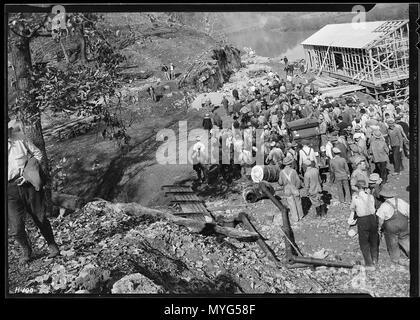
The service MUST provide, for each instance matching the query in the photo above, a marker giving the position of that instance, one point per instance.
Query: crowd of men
(357, 142)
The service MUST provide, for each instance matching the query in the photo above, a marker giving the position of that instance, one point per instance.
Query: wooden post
(323, 63)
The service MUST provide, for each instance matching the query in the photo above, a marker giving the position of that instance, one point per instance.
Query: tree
(86, 86)
(22, 28)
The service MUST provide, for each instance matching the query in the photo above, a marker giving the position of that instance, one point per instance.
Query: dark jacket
(33, 174)
(339, 169)
(207, 124)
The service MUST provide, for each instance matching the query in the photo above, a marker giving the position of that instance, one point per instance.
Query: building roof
(353, 35)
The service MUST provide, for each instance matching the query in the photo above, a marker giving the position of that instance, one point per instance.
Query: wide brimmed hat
(294, 144)
(207, 116)
(387, 192)
(390, 121)
(377, 134)
(357, 135)
(336, 150)
(288, 159)
(375, 178)
(273, 143)
(361, 184)
(197, 138)
(358, 160)
(332, 138)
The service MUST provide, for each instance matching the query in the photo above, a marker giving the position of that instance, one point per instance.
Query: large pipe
(321, 262)
(285, 218)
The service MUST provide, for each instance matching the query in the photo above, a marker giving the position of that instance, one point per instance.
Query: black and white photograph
(228, 151)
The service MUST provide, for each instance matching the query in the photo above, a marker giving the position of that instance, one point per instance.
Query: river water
(272, 43)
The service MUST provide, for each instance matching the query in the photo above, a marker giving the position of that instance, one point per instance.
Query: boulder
(136, 283)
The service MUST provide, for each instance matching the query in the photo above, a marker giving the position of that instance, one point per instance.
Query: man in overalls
(289, 178)
(393, 217)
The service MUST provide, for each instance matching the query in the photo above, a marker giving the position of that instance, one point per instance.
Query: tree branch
(18, 34)
(40, 26)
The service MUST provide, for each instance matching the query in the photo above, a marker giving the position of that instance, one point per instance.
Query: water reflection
(272, 43)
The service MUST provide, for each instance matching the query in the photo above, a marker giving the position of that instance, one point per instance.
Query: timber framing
(379, 61)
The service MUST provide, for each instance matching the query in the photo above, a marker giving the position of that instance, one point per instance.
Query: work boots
(26, 248)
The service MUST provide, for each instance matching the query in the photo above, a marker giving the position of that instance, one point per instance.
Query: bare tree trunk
(29, 112)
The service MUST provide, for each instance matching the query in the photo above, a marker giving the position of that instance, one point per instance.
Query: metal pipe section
(321, 262)
(285, 219)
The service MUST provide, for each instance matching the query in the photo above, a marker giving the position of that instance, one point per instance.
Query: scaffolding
(376, 57)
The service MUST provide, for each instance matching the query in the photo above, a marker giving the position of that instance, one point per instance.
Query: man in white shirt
(199, 158)
(22, 197)
(306, 153)
(393, 216)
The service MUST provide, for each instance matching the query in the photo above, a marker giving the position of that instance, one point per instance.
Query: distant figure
(286, 61)
(207, 123)
(235, 94)
(171, 71)
(199, 158)
(165, 70)
(225, 104)
(289, 68)
(152, 93)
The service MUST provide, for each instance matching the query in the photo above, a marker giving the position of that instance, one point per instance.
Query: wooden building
(372, 54)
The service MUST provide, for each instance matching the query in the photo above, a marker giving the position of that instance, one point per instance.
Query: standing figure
(171, 71)
(339, 176)
(393, 217)
(396, 141)
(165, 70)
(312, 187)
(289, 178)
(306, 153)
(199, 159)
(207, 123)
(362, 209)
(25, 194)
(359, 173)
(380, 154)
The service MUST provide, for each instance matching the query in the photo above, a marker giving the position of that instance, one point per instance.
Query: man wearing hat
(396, 141)
(291, 150)
(22, 196)
(363, 208)
(339, 176)
(379, 152)
(359, 173)
(323, 126)
(393, 217)
(199, 158)
(375, 187)
(330, 145)
(276, 155)
(289, 178)
(312, 187)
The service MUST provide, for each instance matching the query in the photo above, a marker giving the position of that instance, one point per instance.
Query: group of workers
(357, 142)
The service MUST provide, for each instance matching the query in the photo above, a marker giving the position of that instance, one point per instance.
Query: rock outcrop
(210, 72)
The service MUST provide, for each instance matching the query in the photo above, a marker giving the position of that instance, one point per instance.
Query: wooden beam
(377, 61)
(323, 63)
